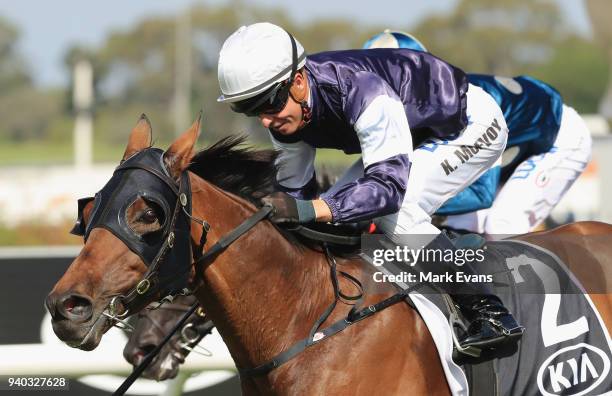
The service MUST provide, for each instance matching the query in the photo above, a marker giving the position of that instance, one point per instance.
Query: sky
(49, 27)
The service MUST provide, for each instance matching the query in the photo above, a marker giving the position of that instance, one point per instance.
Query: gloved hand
(288, 210)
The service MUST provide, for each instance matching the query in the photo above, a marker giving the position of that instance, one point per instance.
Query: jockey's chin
(285, 122)
(286, 128)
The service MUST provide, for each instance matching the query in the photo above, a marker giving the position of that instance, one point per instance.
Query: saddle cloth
(565, 350)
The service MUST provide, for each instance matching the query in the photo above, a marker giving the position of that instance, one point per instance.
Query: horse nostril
(75, 308)
(137, 357)
(141, 353)
(146, 349)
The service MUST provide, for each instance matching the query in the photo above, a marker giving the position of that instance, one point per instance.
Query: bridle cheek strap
(164, 281)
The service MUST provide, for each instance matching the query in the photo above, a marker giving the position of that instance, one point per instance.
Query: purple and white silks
(379, 103)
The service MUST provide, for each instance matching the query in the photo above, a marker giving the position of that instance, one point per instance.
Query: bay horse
(265, 290)
(151, 328)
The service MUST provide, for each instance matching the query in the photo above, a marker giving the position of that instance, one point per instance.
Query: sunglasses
(271, 101)
(274, 99)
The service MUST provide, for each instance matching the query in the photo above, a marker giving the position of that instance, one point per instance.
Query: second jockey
(383, 104)
(549, 146)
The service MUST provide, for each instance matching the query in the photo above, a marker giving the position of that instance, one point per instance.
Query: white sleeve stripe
(383, 131)
(295, 163)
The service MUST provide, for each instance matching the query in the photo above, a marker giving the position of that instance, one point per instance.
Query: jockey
(380, 104)
(549, 146)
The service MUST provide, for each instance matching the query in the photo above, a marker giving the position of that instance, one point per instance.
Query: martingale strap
(317, 335)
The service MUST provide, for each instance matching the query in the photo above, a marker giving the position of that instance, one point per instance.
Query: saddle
(519, 279)
(562, 329)
(347, 235)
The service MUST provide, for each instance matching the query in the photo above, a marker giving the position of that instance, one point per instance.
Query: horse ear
(140, 138)
(178, 157)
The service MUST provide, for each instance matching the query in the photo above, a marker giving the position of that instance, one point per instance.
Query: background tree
(13, 70)
(600, 11)
(17, 93)
(135, 67)
(513, 37)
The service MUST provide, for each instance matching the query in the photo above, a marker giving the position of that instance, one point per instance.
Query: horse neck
(263, 292)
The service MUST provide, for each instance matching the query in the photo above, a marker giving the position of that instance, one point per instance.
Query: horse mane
(251, 174)
(237, 168)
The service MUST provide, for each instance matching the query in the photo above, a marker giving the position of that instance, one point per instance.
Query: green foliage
(27, 113)
(513, 37)
(32, 234)
(496, 37)
(578, 69)
(13, 72)
(134, 68)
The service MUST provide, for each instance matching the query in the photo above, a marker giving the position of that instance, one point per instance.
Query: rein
(316, 334)
(150, 356)
(217, 248)
(236, 233)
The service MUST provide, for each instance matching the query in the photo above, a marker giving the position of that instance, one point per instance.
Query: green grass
(47, 153)
(33, 153)
(31, 234)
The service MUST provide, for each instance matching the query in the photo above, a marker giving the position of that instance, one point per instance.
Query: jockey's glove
(288, 209)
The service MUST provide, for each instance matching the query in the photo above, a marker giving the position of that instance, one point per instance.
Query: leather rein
(316, 334)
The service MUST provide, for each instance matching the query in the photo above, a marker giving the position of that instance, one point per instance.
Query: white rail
(105, 369)
(60, 360)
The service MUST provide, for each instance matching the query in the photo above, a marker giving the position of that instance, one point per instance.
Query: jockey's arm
(296, 173)
(379, 119)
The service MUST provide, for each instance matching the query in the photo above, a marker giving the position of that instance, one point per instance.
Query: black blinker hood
(167, 252)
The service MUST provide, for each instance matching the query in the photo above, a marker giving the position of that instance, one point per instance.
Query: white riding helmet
(254, 58)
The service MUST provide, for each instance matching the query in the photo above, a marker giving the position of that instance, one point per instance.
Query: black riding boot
(491, 325)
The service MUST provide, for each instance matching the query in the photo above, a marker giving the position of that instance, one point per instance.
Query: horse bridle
(147, 168)
(176, 235)
(151, 282)
(191, 333)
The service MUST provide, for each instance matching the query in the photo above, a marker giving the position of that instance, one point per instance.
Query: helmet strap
(306, 114)
(299, 95)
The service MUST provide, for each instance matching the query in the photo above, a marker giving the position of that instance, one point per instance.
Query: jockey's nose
(74, 307)
(266, 120)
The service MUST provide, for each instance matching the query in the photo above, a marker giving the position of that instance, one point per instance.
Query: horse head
(153, 325)
(137, 241)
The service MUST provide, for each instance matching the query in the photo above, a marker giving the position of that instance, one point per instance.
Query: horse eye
(148, 216)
